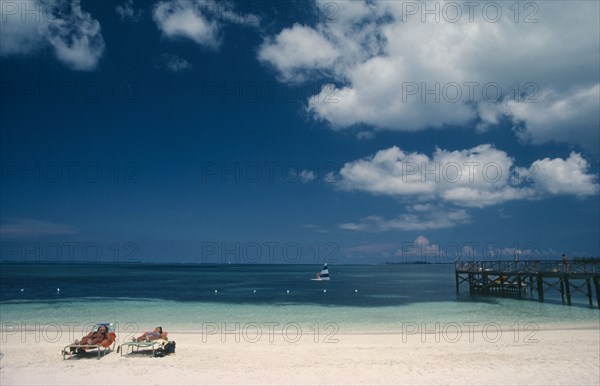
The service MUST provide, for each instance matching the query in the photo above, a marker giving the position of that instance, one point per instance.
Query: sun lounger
(136, 346)
(103, 348)
(501, 279)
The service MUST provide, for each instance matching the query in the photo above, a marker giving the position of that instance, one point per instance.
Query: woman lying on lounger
(92, 338)
(151, 335)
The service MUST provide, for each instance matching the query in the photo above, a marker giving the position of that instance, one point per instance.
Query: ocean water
(358, 297)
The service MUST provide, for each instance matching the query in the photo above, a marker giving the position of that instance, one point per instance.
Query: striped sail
(324, 273)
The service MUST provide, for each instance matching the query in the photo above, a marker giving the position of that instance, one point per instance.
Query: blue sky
(277, 132)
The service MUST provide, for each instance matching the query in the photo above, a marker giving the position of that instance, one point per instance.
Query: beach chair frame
(101, 348)
(135, 346)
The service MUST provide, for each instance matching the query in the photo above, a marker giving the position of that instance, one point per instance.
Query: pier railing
(527, 266)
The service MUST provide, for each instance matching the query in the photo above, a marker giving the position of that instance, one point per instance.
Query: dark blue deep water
(350, 285)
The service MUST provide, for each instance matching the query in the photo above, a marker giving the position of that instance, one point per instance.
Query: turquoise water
(383, 297)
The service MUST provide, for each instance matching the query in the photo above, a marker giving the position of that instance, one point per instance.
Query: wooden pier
(535, 277)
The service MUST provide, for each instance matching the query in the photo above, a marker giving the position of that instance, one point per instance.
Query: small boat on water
(323, 275)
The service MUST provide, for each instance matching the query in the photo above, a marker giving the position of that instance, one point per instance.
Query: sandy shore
(448, 354)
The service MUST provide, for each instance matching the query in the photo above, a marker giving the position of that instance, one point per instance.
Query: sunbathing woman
(151, 335)
(96, 337)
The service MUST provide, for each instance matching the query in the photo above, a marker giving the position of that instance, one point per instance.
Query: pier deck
(536, 276)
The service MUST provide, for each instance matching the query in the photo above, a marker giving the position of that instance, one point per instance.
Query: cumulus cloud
(76, 39)
(563, 176)
(476, 177)
(421, 240)
(199, 20)
(396, 68)
(72, 33)
(420, 249)
(440, 187)
(127, 13)
(297, 48)
(184, 19)
(173, 63)
(20, 37)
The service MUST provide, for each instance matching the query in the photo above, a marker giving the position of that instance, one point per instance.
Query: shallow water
(378, 297)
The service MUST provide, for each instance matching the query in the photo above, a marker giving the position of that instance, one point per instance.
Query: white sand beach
(554, 355)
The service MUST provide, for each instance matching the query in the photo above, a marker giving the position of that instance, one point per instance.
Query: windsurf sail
(324, 273)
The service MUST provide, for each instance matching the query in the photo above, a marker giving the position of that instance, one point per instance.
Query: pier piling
(568, 289)
(540, 287)
(597, 287)
(589, 292)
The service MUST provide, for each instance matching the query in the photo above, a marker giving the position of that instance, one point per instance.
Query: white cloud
(385, 60)
(479, 177)
(375, 248)
(563, 176)
(330, 178)
(173, 63)
(421, 240)
(315, 228)
(182, 18)
(476, 177)
(307, 176)
(20, 228)
(20, 37)
(226, 10)
(437, 219)
(297, 48)
(198, 20)
(365, 135)
(560, 117)
(73, 34)
(127, 13)
(76, 39)
(421, 249)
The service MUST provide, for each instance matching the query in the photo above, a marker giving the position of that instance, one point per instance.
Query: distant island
(580, 260)
(587, 260)
(410, 262)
